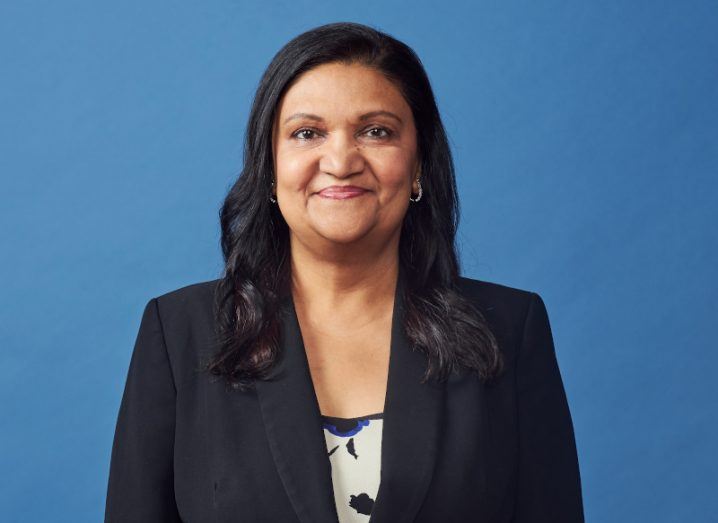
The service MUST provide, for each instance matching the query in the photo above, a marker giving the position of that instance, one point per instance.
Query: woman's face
(344, 125)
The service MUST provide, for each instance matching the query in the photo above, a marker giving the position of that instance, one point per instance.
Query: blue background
(585, 136)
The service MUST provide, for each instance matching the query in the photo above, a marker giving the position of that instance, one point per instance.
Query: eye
(304, 134)
(376, 132)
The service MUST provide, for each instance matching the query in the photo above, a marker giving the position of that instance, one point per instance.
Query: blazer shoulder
(186, 316)
(195, 293)
(188, 306)
(505, 308)
(490, 295)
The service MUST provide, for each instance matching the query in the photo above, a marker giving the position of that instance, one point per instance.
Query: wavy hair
(439, 321)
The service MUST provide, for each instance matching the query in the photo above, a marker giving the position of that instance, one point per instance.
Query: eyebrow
(363, 117)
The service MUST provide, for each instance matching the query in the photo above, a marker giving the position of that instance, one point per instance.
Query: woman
(342, 369)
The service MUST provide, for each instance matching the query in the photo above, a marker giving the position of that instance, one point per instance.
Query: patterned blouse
(354, 449)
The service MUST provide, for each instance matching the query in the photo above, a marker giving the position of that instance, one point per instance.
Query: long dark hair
(439, 321)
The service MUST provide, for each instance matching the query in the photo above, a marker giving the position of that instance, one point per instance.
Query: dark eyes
(303, 134)
(306, 134)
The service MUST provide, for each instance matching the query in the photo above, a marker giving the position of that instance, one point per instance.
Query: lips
(341, 192)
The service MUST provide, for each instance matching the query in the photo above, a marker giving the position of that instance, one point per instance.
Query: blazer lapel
(292, 420)
(411, 427)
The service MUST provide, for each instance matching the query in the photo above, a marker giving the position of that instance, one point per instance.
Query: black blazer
(188, 449)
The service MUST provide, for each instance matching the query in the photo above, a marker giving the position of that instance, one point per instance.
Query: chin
(342, 235)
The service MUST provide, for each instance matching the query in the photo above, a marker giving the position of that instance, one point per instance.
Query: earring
(270, 194)
(420, 193)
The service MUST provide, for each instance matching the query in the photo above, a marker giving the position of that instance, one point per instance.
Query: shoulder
(491, 296)
(505, 308)
(188, 304)
(186, 315)
(188, 298)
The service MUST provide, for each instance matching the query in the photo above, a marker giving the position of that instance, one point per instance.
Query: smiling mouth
(341, 193)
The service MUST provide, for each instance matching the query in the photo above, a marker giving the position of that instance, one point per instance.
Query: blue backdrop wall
(585, 136)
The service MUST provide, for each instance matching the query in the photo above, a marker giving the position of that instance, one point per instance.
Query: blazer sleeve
(549, 484)
(140, 486)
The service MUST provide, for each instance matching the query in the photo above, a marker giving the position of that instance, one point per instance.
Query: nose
(341, 156)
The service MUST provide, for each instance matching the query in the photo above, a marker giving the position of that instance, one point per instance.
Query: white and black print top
(354, 449)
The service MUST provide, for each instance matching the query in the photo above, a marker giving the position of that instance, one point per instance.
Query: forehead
(341, 89)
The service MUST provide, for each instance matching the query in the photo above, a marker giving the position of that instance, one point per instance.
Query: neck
(345, 287)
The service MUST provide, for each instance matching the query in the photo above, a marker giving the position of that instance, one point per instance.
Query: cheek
(293, 171)
(293, 174)
(394, 174)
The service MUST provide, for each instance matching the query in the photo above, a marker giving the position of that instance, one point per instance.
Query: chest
(349, 368)
(225, 456)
